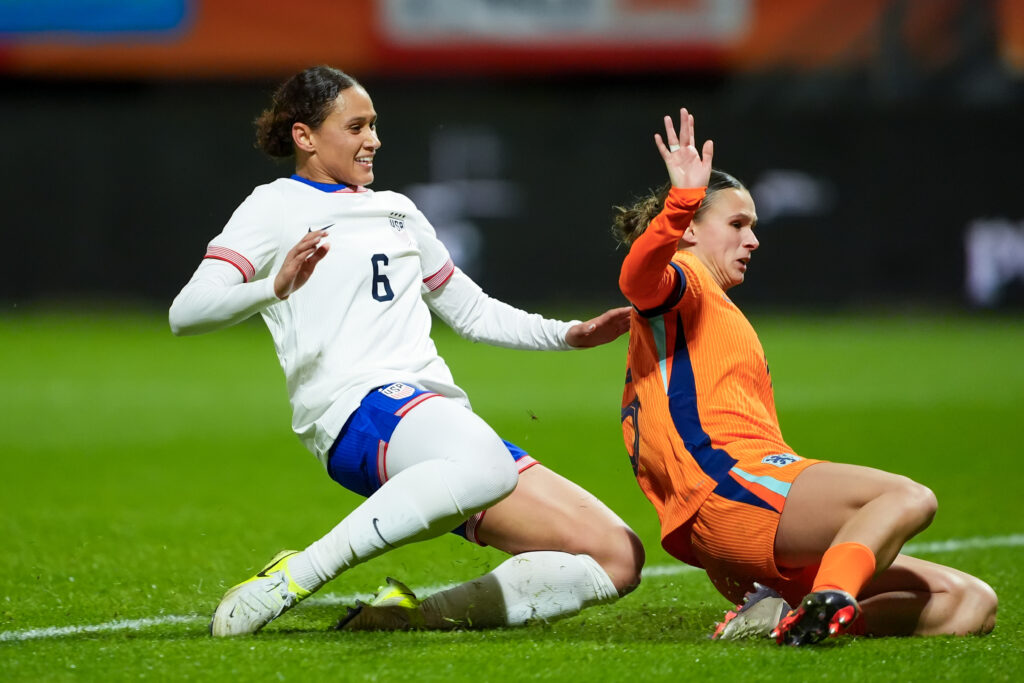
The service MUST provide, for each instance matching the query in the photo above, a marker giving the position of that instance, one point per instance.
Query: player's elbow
(635, 285)
(181, 324)
(177, 328)
(626, 287)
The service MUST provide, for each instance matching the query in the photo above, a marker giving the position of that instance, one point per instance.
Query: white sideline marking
(964, 544)
(1013, 540)
(120, 625)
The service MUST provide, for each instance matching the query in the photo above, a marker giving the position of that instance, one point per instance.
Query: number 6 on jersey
(380, 280)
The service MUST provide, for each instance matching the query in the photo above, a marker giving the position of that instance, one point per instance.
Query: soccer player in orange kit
(699, 422)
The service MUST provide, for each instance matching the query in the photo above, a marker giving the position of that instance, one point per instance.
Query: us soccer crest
(397, 220)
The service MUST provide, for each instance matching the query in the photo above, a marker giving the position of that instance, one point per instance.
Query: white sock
(445, 464)
(535, 586)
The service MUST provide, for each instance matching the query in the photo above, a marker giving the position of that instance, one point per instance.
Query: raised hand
(685, 166)
(606, 327)
(299, 263)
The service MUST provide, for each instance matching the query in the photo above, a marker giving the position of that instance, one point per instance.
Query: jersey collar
(329, 187)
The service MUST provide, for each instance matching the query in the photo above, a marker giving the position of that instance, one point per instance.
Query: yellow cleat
(254, 603)
(394, 608)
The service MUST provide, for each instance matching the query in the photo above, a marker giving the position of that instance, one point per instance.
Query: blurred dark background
(881, 139)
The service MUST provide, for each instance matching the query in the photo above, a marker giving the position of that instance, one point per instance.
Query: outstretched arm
(646, 278)
(468, 310)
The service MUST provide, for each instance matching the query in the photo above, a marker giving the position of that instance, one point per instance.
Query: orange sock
(846, 567)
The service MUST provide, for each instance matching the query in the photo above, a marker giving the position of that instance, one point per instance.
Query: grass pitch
(143, 474)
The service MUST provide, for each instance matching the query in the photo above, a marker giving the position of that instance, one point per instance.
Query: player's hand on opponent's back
(606, 327)
(299, 263)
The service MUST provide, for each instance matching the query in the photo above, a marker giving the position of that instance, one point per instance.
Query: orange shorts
(732, 536)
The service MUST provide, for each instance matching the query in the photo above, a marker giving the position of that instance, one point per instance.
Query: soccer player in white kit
(345, 279)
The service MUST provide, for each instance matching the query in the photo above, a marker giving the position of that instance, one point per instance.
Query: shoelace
(276, 596)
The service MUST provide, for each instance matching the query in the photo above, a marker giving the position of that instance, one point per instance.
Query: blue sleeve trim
(673, 299)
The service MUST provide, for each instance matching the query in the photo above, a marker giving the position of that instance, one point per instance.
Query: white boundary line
(120, 625)
(953, 545)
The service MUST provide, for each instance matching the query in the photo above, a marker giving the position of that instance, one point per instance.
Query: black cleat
(822, 614)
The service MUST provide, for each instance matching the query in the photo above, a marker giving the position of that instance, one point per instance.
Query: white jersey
(361, 320)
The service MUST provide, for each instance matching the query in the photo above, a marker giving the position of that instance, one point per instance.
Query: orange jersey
(698, 412)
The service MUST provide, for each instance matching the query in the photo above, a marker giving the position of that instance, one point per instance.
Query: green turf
(142, 474)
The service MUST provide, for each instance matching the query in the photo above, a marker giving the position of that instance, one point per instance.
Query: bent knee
(622, 556)
(626, 574)
(613, 546)
(489, 483)
(493, 468)
(970, 604)
(505, 474)
(917, 502)
(979, 604)
(924, 502)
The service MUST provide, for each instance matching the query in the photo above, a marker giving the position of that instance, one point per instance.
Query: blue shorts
(358, 458)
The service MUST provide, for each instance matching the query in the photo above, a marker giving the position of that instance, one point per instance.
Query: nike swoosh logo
(379, 534)
(263, 572)
(319, 229)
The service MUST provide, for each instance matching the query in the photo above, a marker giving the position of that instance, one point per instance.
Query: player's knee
(487, 482)
(924, 503)
(504, 472)
(610, 543)
(979, 604)
(443, 430)
(916, 502)
(626, 562)
(620, 554)
(494, 468)
(971, 603)
(484, 455)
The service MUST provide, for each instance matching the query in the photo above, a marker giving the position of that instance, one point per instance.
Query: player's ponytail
(630, 222)
(307, 97)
